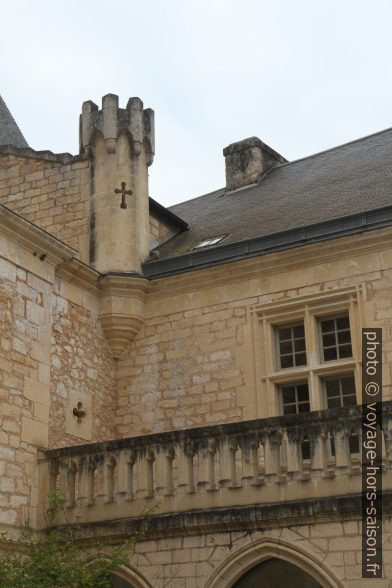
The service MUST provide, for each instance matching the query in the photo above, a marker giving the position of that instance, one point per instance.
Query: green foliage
(55, 559)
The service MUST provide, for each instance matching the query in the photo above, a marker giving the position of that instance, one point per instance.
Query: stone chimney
(247, 160)
(119, 142)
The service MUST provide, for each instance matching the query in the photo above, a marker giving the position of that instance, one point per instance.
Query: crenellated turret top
(112, 120)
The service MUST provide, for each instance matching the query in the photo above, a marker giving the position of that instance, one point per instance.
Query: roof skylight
(208, 242)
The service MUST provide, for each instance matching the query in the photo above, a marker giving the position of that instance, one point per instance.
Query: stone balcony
(283, 459)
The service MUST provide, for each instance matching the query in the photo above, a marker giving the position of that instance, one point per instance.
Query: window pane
(330, 354)
(284, 333)
(300, 359)
(340, 391)
(285, 347)
(345, 351)
(286, 361)
(329, 340)
(332, 387)
(327, 325)
(336, 338)
(344, 337)
(348, 385)
(304, 407)
(289, 409)
(288, 394)
(299, 331)
(334, 403)
(302, 392)
(343, 322)
(291, 341)
(349, 400)
(299, 344)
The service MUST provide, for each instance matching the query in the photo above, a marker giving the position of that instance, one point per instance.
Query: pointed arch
(133, 577)
(249, 556)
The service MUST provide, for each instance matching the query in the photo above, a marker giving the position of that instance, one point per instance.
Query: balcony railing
(280, 459)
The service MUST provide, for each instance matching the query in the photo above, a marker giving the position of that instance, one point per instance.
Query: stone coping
(295, 421)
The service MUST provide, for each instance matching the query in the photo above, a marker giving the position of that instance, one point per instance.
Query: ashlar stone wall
(328, 550)
(199, 359)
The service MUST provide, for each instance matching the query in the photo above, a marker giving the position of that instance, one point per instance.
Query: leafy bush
(55, 559)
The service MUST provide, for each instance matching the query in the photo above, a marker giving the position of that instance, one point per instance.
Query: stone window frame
(309, 308)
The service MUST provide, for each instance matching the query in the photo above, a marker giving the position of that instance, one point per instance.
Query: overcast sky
(302, 75)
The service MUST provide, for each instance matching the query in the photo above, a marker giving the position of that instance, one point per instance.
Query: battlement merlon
(111, 120)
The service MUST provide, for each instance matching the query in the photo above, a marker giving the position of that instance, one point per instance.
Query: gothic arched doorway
(276, 573)
(117, 582)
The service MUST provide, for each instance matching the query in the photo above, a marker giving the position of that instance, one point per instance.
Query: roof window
(209, 242)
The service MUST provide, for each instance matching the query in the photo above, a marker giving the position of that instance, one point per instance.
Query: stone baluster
(125, 465)
(185, 453)
(342, 449)
(67, 473)
(318, 438)
(206, 452)
(294, 458)
(145, 478)
(227, 465)
(100, 486)
(272, 455)
(249, 448)
(86, 481)
(164, 481)
(108, 471)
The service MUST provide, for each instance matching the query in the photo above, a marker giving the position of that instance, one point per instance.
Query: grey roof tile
(345, 180)
(10, 134)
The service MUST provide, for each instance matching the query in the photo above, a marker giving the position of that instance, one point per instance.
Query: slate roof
(10, 134)
(342, 181)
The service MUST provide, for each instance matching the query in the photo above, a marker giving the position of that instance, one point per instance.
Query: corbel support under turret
(121, 309)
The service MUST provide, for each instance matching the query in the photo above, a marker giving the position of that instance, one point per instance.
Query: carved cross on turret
(123, 193)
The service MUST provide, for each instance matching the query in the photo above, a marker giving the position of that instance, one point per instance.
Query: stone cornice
(250, 517)
(76, 272)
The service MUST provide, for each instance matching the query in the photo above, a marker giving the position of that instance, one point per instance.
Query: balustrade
(262, 461)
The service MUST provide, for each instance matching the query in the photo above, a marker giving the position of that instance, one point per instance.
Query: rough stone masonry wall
(50, 194)
(82, 367)
(192, 363)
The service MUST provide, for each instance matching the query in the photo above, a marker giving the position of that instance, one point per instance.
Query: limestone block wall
(328, 550)
(82, 370)
(25, 300)
(52, 355)
(197, 359)
(51, 191)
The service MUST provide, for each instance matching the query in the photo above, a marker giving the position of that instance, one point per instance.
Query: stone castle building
(204, 358)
